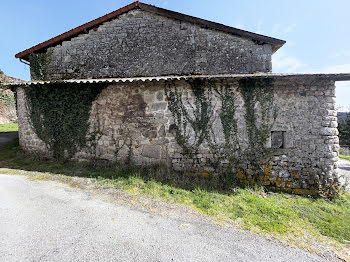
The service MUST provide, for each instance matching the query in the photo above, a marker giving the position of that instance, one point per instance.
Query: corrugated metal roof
(335, 77)
(276, 43)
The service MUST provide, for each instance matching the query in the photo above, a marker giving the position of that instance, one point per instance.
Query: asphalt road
(344, 172)
(49, 221)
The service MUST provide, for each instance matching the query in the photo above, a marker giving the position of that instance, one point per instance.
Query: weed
(8, 127)
(344, 157)
(282, 215)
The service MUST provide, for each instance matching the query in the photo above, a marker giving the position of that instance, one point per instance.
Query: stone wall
(28, 139)
(140, 43)
(138, 127)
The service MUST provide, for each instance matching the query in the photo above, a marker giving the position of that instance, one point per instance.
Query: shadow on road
(6, 137)
(347, 168)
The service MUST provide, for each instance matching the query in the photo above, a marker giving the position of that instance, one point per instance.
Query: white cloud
(284, 63)
(345, 68)
(340, 54)
(239, 25)
(276, 29)
(279, 30)
(289, 28)
(259, 27)
(342, 87)
(342, 93)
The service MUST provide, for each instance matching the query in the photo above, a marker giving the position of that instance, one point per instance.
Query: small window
(278, 139)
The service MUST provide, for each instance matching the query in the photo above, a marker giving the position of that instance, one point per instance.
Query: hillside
(342, 115)
(7, 100)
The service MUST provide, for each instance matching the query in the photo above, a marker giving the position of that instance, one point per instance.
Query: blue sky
(317, 31)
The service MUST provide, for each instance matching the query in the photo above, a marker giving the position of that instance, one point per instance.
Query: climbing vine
(229, 123)
(257, 94)
(39, 65)
(60, 114)
(194, 118)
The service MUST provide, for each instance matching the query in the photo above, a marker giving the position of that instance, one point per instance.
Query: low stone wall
(138, 124)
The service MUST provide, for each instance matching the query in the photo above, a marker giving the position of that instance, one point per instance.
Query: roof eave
(320, 76)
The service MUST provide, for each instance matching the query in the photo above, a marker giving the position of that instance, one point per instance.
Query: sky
(317, 31)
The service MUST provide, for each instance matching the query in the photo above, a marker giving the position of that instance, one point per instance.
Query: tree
(344, 131)
(1, 72)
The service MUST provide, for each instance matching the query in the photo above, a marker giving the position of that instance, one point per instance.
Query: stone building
(145, 85)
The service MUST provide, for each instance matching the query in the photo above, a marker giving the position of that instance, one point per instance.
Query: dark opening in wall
(278, 139)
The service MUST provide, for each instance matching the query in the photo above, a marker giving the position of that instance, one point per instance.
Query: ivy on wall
(60, 115)
(39, 64)
(194, 118)
(257, 92)
(229, 123)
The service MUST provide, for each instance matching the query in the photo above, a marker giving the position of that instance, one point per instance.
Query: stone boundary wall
(140, 43)
(137, 126)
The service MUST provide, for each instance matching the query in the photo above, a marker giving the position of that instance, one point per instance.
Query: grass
(8, 127)
(344, 157)
(294, 218)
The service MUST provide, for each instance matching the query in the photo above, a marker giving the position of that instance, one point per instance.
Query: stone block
(152, 151)
(159, 106)
(328, 131)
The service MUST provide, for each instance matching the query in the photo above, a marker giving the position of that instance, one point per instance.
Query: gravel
(50, 221)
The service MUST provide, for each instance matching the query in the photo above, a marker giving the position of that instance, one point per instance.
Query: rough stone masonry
(140, 43)
(190, 94)
(135, 116)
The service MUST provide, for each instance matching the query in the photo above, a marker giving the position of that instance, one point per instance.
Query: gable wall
(140, 43)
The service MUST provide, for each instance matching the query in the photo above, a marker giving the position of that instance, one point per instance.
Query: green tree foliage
(344, 132)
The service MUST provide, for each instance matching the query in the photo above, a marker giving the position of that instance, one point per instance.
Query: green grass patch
(344, 157)
(8, 127)
(283, 215)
